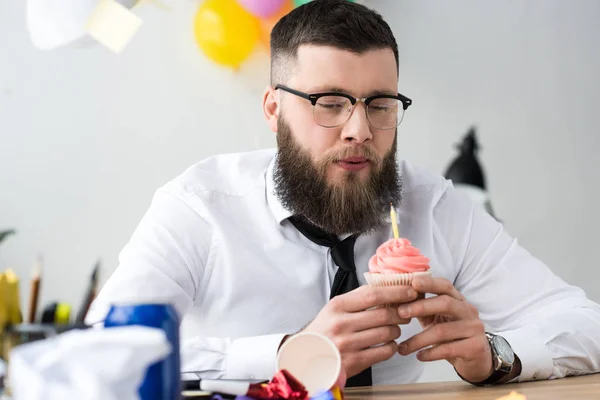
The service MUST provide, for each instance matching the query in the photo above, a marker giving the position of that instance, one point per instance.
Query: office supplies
(90, 295)
(12, 297)
(57, 313)
(3, 302)
(35, 290)
(196, 384)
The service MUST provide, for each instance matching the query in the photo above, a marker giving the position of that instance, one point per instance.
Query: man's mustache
(364, 152)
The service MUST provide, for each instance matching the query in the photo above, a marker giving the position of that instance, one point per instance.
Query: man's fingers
(438, 305)
(428, 284)
(367, 338)
(465, 348)
(368, 319)
(362, 360)
(367, 296)
(442, 333)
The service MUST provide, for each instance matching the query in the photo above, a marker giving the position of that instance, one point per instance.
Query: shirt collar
(279, 211)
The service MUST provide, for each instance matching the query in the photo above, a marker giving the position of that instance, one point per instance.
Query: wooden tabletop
(576, 388)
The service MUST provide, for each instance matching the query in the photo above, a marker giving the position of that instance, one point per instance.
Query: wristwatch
(503, 359)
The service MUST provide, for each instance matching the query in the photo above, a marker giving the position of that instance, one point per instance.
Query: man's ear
(271, 107)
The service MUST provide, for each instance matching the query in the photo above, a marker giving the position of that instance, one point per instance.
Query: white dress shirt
(216, 243)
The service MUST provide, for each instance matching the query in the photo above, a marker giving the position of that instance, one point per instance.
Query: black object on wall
(466, 173)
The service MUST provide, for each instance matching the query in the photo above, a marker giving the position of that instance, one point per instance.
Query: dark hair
(338, 23)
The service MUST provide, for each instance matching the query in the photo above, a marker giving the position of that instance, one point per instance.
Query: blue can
(163, 379)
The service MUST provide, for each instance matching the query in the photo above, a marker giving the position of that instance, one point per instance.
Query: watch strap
(496, 377)
(499, 374)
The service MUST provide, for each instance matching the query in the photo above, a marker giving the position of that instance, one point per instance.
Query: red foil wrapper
(282, 386)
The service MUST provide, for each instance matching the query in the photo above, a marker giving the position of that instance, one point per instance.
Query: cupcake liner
(393, 279)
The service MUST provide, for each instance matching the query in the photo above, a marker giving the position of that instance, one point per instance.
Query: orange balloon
(267, 24)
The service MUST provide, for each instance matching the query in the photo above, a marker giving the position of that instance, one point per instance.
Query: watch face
(504, 350)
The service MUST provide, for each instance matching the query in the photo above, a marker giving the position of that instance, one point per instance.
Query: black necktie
(345, 279)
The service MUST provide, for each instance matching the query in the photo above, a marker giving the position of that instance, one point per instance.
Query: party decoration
(54, 24)
(165, 5)
(299, 3)
(225, 31)
(113, 25)
(267, 24)
(262, 8)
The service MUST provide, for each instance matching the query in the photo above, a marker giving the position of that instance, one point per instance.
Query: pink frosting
(398, 256)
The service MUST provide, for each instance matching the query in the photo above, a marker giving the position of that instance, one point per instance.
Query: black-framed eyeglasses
(332, 109)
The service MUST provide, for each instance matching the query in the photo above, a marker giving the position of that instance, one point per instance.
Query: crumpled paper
(92, 364)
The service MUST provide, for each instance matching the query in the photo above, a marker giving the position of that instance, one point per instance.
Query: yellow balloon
(225, 31)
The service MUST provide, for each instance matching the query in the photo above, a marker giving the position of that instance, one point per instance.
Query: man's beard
(349, 206)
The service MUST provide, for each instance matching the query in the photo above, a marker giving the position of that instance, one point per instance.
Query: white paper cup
(311, 358)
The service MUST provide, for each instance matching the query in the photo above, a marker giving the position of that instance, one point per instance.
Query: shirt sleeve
(164, 262)
(552, 326)
(222, 358)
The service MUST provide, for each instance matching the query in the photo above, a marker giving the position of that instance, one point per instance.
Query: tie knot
(343, 254)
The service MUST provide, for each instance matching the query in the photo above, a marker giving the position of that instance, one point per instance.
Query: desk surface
(576, 388)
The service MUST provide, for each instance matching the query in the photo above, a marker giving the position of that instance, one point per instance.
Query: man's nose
(357, 128)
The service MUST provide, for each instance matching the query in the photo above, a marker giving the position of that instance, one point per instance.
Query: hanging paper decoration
(112, 25)
(225, 30)
(54, 24)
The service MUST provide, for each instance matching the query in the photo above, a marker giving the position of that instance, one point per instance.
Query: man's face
(324, 69)
(343, 178)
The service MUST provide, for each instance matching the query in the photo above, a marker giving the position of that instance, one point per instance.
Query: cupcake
(395, 263)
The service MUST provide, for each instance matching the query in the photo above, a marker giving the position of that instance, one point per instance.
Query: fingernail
(411, 292)
(404, 311)
(402, 348)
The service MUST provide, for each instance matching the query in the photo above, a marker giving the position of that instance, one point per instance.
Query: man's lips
(355, 159)
(353, 163)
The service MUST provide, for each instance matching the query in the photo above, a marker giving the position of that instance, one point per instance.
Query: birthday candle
(394, 219)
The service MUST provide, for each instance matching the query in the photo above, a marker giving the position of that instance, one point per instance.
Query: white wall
(527, 74)
(86, 136)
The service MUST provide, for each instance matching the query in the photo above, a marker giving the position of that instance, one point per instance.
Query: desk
(575, 388)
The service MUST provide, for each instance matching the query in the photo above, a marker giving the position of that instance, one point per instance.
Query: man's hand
(354, 325)
(451, 327)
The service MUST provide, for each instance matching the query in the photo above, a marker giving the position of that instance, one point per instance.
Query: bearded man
(252, 248)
